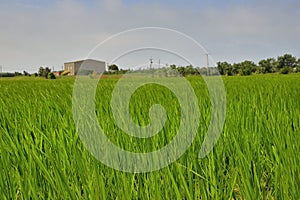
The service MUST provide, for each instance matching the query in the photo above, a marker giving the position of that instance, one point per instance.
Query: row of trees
(283, 64)
(10, 74)
(43, 72)
(172, 70)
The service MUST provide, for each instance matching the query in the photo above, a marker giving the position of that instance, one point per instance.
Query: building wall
(77, 66)
(89, 64)
(70, 67)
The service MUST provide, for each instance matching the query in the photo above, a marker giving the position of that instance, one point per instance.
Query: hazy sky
(48, 33)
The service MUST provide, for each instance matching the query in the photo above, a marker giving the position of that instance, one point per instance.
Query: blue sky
(48, 33)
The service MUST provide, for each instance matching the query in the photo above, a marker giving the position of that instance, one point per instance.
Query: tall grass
(42, 156)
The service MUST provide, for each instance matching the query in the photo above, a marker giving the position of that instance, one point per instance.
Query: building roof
(77, 61)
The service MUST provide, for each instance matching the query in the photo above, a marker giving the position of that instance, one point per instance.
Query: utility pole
(151, 71)
(158, 63)
(151, 62)
(0, 68)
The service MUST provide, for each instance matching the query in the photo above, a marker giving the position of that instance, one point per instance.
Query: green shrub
(51, 76)
(285, 70)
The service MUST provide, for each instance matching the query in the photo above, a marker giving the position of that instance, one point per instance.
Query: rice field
(256, 157)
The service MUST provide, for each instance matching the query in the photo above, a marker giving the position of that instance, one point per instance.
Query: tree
(298, 65)
(267, 65)
(235, 68)
(245, 71)
(287, 60)
(18, 74)
(173, 66)
(51, 76)
(123, 71)
(7, 74)
(47, 71)
(190, 70)
(221, 67)
(43, 72)
(246, 68)
(224, 68)
(181, 70)
(284, 70)
(113, 67)
(26, 73)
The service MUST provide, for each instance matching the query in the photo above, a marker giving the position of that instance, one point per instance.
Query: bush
(284, 70)
(43, 72)
(51, 76)
(7, 74)
(245, 72)
(18, 74)
(26, 73)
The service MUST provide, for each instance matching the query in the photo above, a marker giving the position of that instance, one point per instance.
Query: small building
(87, 65)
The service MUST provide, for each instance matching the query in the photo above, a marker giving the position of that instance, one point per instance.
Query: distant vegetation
(7, 74)
(283, 64)
(43, 72)
(46, 73)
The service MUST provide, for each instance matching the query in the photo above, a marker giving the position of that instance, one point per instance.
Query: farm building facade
(88, 65)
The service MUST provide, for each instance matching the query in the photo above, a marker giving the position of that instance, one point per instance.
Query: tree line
(283, 64)
(43, 72)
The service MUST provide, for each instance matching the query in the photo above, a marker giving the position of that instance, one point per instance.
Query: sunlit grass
(256, 157)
